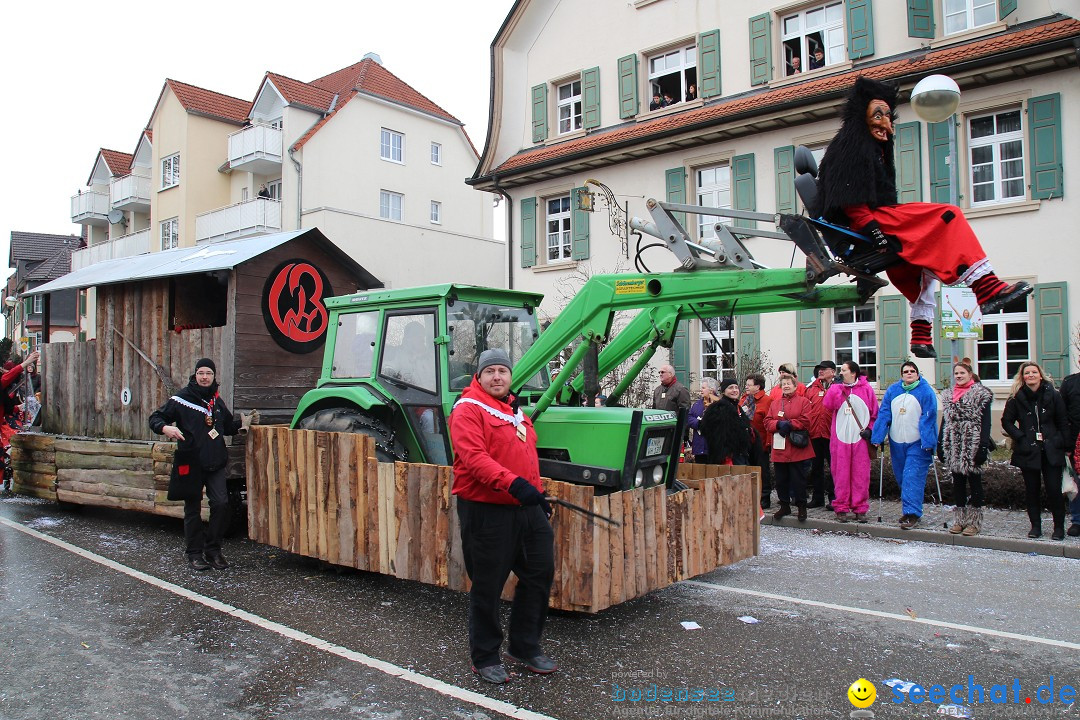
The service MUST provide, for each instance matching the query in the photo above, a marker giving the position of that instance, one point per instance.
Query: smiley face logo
(862, 693)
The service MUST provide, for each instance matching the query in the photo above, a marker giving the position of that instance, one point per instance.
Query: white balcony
(130, 192)
(90, 208)
(137, 243)
(256, 149)
(250, 217)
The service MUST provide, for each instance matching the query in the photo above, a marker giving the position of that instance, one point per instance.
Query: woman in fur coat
(725, 429)
(857, 187)
(964, 445)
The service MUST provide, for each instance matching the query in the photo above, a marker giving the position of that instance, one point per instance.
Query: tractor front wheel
(351, 420)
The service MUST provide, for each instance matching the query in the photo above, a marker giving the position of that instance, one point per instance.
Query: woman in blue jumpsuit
(909, 414)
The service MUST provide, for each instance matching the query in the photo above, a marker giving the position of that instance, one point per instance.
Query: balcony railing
(90, 208)
(250, 217)
(256, 149)
(137, 243)
(130, 192)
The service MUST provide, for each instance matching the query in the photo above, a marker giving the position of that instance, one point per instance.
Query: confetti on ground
(690, 625)
(749, 619)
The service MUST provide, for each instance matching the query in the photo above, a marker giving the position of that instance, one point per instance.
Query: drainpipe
(299, 185)
(509, 232)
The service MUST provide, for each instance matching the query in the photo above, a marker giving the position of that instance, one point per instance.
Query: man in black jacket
(198, 419)
(1070, 393)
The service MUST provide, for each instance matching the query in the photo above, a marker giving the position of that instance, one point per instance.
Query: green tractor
(397, 360)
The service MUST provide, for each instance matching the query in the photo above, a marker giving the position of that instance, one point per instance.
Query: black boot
(1035, 516)
(1059, 526)
(784, 511)
(802, 512)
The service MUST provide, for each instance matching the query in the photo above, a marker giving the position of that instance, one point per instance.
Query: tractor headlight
(639, 478)
(657, 474)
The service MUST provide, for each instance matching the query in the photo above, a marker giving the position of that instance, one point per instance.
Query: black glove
(940, 454)
(783, 427)
(980, 455)
(866, 433)
(880, 240)
(524, 492)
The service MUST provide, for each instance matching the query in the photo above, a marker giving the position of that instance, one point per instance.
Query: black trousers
(208, 540)
(791, 481)
(495, 540)
(819, 467)
(962, 483)
(1049, 476)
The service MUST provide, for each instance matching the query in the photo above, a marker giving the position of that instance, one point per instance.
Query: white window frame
(169, 231)
(995, 142)
(37, 340)
(277, 123)
(1002, 320)
(389, 203)
(436, 153)
(568, 110)
(796, 27)
(863, 338)
(39, 304)
(712, 190)
(436, 212)
(560, 239)
(707, 347)
(966, 15)
(392, 146)
(170, 171)
(681, 60)
(274, 188)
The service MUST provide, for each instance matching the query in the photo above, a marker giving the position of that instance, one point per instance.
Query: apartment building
(749, 82)
(358, 153)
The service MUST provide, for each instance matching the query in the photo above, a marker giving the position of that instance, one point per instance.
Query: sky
(80, 76)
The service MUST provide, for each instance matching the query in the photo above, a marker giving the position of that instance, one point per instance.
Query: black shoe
(766, 503)
(1006, 296)
(494, 674)
(1074, 530)
(816, 503)
(1059, 533)
(784, 511)
(217, 561)
(802, 513)
(923, 351)
(1035, 532)
(540, 664)
(197, 562)
(909, 521)
(829, 507)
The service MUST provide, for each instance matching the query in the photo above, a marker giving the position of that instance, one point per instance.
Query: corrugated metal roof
(188, 261)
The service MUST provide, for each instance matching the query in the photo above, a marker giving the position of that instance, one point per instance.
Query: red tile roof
(297, 92)
(370, 78)
(119, 163)
(208, 102)
(804, 92)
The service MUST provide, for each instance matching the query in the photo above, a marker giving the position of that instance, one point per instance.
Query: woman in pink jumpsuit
(854, 407)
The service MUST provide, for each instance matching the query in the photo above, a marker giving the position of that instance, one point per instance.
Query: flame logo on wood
(293, 306)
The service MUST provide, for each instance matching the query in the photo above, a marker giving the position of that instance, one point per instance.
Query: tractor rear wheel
(351, 420)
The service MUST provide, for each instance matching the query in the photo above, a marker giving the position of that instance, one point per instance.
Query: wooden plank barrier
(323, 495)
(89, 471)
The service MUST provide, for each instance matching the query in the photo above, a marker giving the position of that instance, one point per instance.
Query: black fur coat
(726, 431)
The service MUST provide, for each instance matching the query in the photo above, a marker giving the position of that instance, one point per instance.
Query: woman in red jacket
(791, 412)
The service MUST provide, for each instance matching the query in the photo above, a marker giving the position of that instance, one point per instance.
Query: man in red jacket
(755, 405)
(820, 429)
(504, 520)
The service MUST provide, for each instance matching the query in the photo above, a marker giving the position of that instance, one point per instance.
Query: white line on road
(886, 615)
(443, 688)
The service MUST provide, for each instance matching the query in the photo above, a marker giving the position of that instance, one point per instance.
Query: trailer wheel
(351, 420)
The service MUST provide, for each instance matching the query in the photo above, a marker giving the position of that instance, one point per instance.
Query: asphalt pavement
(102, 618)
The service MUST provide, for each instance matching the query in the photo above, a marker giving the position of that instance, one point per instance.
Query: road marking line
(886, 615)
(443, 688)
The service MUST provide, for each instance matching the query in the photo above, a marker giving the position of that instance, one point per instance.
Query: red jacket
(11, 376)
(488, 454)
(820, 416)
(757, 421)
(796, 410)
(777, 391)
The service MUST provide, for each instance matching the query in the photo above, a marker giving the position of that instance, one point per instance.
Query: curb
(1046, 547)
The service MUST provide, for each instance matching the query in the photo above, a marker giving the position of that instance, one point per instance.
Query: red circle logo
(294, 306)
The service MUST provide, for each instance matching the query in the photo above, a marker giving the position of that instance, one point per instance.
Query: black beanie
(207, 363)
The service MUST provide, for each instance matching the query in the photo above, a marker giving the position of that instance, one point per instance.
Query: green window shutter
(807, 341)
(590, 98)
(675, 186)
(1006, 8)
(82, 336)
(744, 190)
(1044, 116)
(938, 146)
(628, 102)
(579, 226)
(784, 163)
(28, 307)
(528, 232)
(943, 364)
(860, 27)
(82, 303)
(708, 64)
(680, 353)
(748, 335)
(920, 18)
(539, 113)
(909, 161)
(892, 338)
(1052, 328)
(760, 49)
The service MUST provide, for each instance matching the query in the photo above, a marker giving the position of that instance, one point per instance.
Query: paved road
(102, 619)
